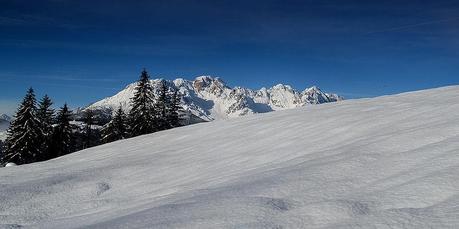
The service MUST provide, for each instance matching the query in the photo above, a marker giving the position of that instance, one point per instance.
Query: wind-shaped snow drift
(388, 162)
(207, 98)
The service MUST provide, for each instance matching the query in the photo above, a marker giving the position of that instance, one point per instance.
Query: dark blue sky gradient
(82, 51)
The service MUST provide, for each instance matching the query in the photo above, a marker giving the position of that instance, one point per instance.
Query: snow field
(387, 162)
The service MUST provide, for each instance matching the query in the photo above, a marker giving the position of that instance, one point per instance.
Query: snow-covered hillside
(4, 124)
(209, 98)
(387, 162)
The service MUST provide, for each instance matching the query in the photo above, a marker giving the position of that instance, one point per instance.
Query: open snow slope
(388, 162)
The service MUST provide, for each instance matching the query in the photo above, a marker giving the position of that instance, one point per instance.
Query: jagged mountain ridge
(4, 124)
(6, 118)
(208, 98)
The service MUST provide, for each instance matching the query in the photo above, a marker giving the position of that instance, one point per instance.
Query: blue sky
(82, 51)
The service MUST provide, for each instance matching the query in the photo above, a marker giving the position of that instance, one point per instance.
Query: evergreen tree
(24, 134)
(88, 133)
(62, 134)
(46, 116)
(117, 128)
(162, 106)
(175, 111)
(142, 115)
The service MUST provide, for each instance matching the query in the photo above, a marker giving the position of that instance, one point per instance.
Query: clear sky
(82, 51)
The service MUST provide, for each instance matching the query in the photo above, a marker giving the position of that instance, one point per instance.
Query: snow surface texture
(209, 98)
(388, 162)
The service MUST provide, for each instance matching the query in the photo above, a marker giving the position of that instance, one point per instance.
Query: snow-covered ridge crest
(209, 98)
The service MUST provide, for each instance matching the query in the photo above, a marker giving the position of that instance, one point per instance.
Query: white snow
(3, 135)
(10, 164)
(388, 162)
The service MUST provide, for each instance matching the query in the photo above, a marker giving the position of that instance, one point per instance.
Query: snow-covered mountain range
(207, 98)
(4, 124)
(4, 117)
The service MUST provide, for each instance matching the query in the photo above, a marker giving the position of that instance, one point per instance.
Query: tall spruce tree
(23, 139)
(45, 115)
(88, 118)
(62, 134)
(162, 106)
(142, 116)
(175, 111)
(117, 128)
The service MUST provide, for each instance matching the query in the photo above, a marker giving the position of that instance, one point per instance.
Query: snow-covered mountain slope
(4, 124)
(210, 98)
(387, 162)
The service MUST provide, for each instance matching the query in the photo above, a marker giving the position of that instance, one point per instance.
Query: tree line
(39, 133)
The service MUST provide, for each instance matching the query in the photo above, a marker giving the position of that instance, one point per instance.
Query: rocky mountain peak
(4, 117)
(208, 98)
